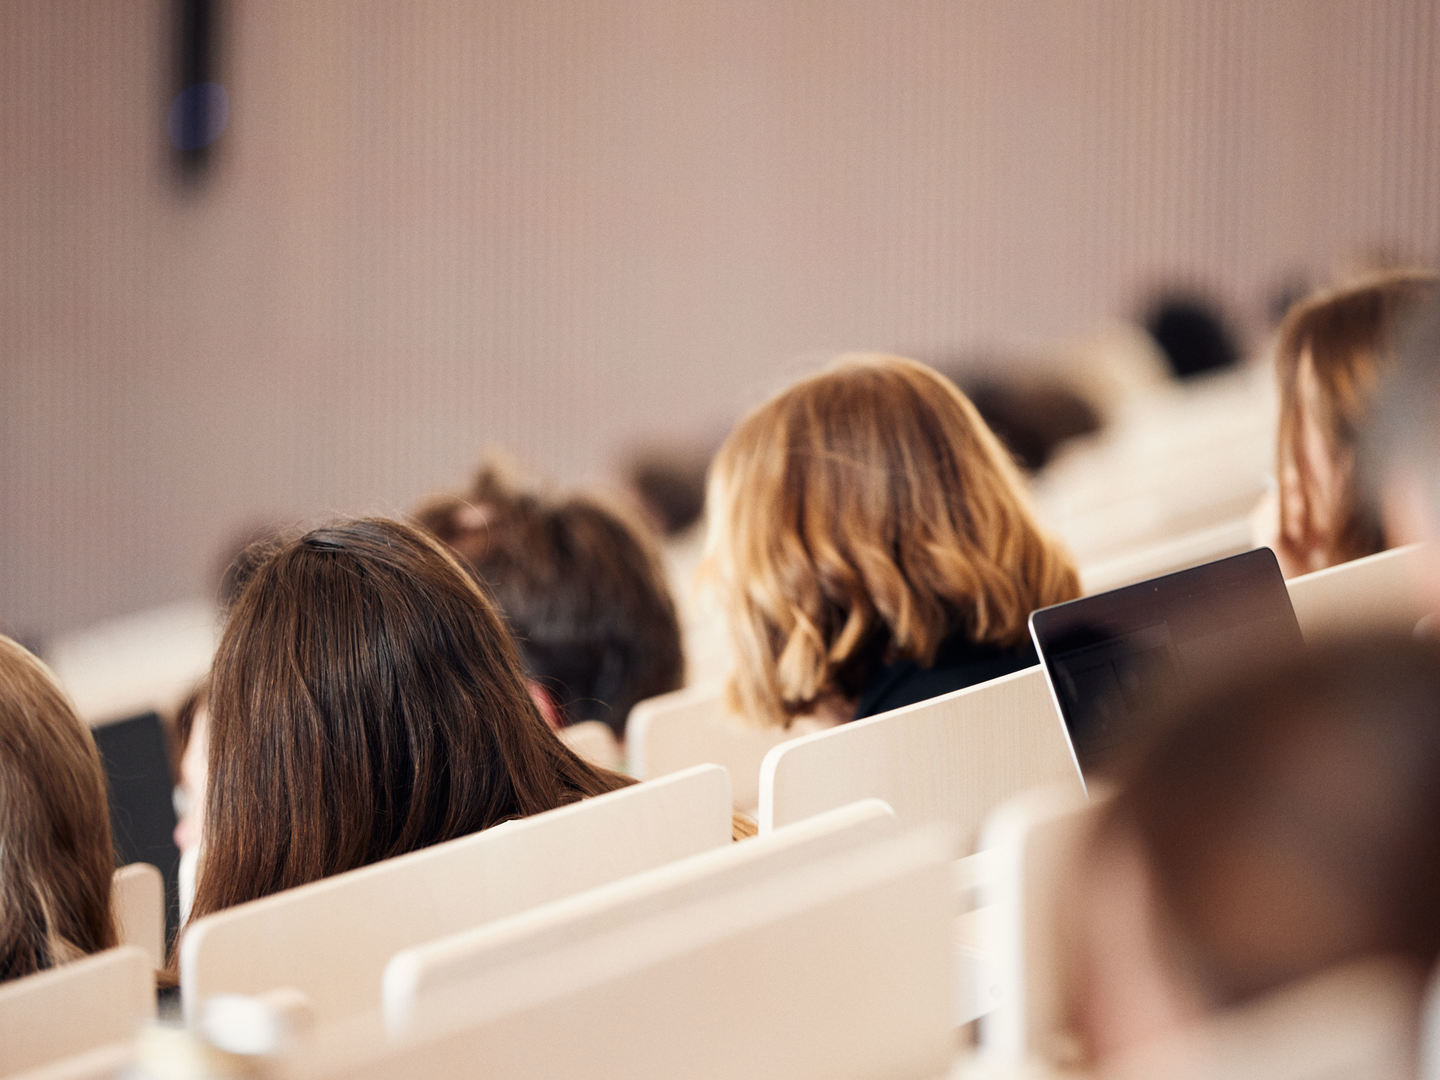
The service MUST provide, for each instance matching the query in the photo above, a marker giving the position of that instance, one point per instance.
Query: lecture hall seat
(692, 726)
(949, 760)
(725, 966)
(78, 1007)
(137, 895)
(1378, 592)
(331, 939)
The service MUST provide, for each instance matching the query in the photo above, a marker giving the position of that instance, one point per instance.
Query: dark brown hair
(56, 858)
(1348, 337)
(581, 587)
(366, 701)
(1289, 818)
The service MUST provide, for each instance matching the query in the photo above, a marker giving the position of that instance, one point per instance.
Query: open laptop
(1113, 658)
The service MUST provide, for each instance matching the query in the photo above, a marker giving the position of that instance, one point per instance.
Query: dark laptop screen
(1112, 658)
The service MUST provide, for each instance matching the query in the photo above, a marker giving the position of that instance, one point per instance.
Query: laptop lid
(1111, 659)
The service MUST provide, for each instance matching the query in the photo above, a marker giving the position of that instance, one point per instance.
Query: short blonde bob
(862, 517)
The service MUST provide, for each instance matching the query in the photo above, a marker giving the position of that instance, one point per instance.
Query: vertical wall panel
(438, 227)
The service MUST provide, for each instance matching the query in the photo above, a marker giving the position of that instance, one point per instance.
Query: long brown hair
(366, 701)
(581, 586)
(56, 858)
(863, 516)
(1345, 340)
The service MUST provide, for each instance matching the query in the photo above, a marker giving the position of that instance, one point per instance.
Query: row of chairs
(1176, 461)
(812, 951)
(606, 980)
(980, 736)
(639, 873)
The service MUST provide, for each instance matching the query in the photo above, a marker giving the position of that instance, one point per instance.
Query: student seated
(1279, 827)
(365, 701)
(56, 858)
(872, 546)
(1331, 352)
(580, 587)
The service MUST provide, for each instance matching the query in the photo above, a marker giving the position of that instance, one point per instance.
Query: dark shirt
(958, 663)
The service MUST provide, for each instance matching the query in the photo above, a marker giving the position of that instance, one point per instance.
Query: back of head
(56, 858)
(1034, 417)
(1331, 352)
(365, 701)
(580, 586)
(865, 515)
(1288, 819)
(669, 483)
(1192, 335)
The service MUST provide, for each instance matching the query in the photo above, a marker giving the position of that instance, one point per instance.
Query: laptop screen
(1113, 658)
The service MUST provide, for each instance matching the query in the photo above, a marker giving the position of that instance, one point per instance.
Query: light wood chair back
(415, 976)
(75, 1008)
(950, 760)
(727, 967)
(596, 743)
(1379, 592)
(137, 895)
(1168, 555)
(136, 663)
(111, 1062)
(330, 940)
(1030, 841)
(691, 727)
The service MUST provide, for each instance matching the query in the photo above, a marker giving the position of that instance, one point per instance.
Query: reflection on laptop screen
(1112, 657)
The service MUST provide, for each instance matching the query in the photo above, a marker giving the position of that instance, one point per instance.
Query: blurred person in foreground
(1281, 831)
(1400, 454)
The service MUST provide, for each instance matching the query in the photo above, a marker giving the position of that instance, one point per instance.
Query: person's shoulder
(959, 664)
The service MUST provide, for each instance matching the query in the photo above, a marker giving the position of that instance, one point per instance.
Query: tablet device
(1113, 658)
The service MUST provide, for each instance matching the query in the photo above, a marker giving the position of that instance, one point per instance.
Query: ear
(546, 704)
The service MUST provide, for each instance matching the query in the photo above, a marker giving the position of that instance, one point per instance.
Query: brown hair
(366, 701)
(1347, 336)
(863, 516)
(1288, 818)
(581, 587)
(56, 858)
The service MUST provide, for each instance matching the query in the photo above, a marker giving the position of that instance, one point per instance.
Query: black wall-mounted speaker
(199, 106)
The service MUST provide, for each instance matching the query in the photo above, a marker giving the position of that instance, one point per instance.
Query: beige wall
(439, 226)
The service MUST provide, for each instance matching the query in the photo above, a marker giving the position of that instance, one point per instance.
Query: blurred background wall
(435, 227)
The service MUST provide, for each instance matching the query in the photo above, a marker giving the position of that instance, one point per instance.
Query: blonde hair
(56, 859)
(863, 516)
(1347, 335)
